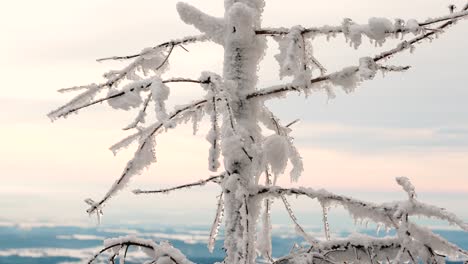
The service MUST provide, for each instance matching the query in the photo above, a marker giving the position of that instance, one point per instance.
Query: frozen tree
(250, 147)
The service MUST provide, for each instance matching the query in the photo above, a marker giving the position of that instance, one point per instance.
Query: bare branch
(292, 122)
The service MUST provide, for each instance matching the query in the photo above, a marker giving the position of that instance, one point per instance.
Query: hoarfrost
(212, 26)
(294, 56)
(276, 152)
(347, 78)
(160, 93)
(413, 26)
(234, 101)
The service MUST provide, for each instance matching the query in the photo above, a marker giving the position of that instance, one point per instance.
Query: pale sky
(410, 124)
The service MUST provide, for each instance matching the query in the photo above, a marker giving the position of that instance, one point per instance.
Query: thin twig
(121, 93)
(186, 40)
(184, 186)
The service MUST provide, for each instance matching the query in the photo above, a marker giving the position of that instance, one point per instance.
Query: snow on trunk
(242, 53)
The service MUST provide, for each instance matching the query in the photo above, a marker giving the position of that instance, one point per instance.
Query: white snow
(235, 107)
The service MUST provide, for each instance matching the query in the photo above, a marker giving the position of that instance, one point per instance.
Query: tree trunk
(242, 53)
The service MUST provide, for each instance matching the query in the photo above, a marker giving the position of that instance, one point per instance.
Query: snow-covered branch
(144, 154)
(171, 43)
(85, 100)
(410, 26)
(377, 29)
(215, 179)
(411, 243)
(213, 27)
(158, 253)
(385, 213)
(347, 76)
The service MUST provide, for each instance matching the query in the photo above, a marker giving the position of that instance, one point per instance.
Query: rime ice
(247, 153)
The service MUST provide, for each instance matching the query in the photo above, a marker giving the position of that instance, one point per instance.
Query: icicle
(299, 228)
(379, 226)
(213, 137)
(326, 226)
(196, 118)
(295, 54)
(160, 93)
(264, 237)
(296, 161)
(216, 223)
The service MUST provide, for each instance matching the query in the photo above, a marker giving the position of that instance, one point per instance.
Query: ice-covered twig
(214, 136)
(216, 223)
(141, 114)
(135, 165)
(326, 225)
(407, 44)
(366, 249)
(184, 186)
(98, 209)
(154, 251)
(379, 213)
(113, 78)
(319, 65)
(280, 131)
(264, 237)
(392, 68)
(76, 105)
(354, 249)
(176, 42)
(299, 229)
(327, 30)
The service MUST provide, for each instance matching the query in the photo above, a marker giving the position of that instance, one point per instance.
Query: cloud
(186, 236)
(80, 237)
(362, 138)
(50, 252)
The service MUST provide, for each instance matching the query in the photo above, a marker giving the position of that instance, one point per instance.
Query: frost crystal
(160, 93)
(245, 151)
